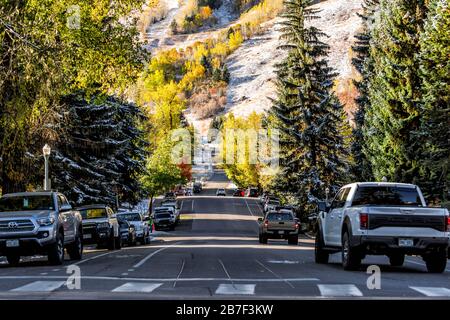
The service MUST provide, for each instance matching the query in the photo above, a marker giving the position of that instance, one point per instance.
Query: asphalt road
(215, 253)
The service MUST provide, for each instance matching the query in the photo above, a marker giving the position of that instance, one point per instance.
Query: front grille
(164, 221)
(411, 221)
(16, 225)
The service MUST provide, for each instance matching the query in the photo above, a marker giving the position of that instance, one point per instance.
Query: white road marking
(160, 279)
(237, 289)
(421, 264)
(179, 273)
(130, 270)
(125, 274)
(181, 206)
(339, 290)
(95, 257)
(192, 210)
(226, 272)
(137, 287)
(282, 262)
(273, 273)
(140, 263)
(248, 207)
(433, 291)
(40, 286)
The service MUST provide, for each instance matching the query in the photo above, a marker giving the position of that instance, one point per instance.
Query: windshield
(93, 213)
(162, 215)
(283, 216)
(26, 203)
(274, 202)
(394, 196)
(130, 216)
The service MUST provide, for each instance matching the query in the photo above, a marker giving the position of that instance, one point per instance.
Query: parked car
(252, 192)
(189, 192)
(280, 224)
(197, 187)
(127, 232)
(39, 223)
(100, 226)
(140, 224)
(390, 219)
(262, 198)
(238, 193)
(221, 192)
(180, 192)
(175, 205)
(164, 218)
(170, 195)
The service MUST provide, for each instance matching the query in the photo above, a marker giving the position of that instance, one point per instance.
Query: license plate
(405, 242)
(87, 236)
(12, 243)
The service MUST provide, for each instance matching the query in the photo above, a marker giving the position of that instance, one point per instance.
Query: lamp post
(46, 150)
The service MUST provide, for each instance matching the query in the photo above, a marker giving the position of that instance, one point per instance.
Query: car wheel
(397, 260)
(293, 240)
(56, 251)
(13, 259)
(75, 250)
(118, 242)
(351, 259)
(436, 262)
(320, 255)
(264, 239)
(112, 242)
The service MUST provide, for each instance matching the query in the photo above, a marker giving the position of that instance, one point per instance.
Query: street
(215, 253)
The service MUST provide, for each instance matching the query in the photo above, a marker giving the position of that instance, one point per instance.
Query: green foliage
(306, 112)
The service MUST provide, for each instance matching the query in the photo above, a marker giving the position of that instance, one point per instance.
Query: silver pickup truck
(382, 219)
(39, 223)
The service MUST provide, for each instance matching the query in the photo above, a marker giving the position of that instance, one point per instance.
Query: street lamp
(46, 150)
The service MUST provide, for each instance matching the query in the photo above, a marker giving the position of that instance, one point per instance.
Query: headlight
(47, 221)
(103, 225)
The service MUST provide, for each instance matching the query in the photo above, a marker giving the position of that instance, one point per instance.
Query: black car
(100, 226)
(252, 192)
(238, 193)
(197, 187)
(127, 232)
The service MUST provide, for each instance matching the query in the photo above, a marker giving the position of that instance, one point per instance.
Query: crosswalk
(234, 289)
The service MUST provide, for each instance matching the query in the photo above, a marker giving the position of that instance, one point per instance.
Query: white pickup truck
(392, 219)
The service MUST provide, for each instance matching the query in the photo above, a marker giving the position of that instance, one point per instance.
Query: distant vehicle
(383, 219)
(189, 192)
(252, 192)
(100, 226)
(140, 224)
(176, 208)
(170, 195)
(279, 225)
(262, 198)
(238, 193)
(197, 187)
(271, 204)
(39, 223)
(164, 218)
(127, 232)
(221, 192)
(180, 192)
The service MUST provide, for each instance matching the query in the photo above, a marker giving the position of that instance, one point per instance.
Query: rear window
(26, 203)
(162, 215)
(388, 196)
(280, 217)
(130, 216)
(93, 213)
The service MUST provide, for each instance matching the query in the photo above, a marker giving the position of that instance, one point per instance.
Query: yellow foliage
(235, 40)
(205, 12)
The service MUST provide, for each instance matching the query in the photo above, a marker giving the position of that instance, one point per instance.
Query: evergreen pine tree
(306, 112)
(363, 63)
(394, 90)
(100, 151)
(433, 136)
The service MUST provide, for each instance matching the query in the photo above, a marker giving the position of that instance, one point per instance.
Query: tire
(264, 239)
(56, 251)
(111, 244)
(75, 250)
(320, 255)
(260, 238)
(436, 262)
(351, 259)
(118, 242)
(13, 259)
(293, 240)
(397, 260)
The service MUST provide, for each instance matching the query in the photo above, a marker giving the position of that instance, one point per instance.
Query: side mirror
(323, 206)
(65, 207)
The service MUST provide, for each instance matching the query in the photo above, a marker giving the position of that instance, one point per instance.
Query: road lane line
(140, 263)
(238, 289)
(226, 272)
(40, 286)
(421, 264)
(273, 273)
(179, 273)
(192, 209)
(248, 207)
(432, 291)
(339, 290)
(137, 287)
(93, 258)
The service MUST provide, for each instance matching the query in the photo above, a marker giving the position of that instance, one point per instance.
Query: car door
(330, 219)
(68, 218)
(113, 220)
(337, 214)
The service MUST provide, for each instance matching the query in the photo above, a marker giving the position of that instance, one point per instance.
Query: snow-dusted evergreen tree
(100, 151)
(433, 136)
(362, 61)
(307, 113)
(395, 91)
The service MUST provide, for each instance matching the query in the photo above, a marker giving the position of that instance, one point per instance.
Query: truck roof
(381, 184)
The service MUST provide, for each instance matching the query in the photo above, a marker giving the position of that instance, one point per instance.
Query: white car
(140, 225)
(221, 192)
(175, 206)
(164, 218)
(271, 205)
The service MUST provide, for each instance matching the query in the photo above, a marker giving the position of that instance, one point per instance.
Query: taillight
(297, 225)
(363, 221)
(447, 223)
(266, 223)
